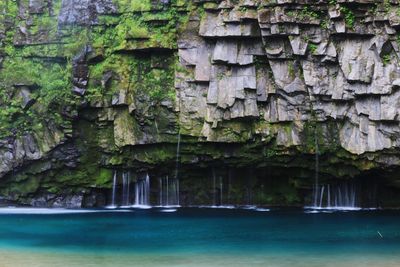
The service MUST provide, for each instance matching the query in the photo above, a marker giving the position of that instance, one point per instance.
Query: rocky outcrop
(296, 63)
(91, 86)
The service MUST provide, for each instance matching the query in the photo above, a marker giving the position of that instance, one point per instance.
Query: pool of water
(199, 237)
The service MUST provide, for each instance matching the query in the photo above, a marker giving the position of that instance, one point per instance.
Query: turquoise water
(201, 237)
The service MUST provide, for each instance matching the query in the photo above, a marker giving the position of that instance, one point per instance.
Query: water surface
(200, 237)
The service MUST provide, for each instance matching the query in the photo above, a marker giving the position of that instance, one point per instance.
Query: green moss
(131, 28)
(306, 13)
(43, 24)
(22, 188)
(75, 46)
(103, 177)
(53, 79)
(349, 16)
(313, 48)
(386, 59)
(139, 28)
(134, 5)
(387, 5)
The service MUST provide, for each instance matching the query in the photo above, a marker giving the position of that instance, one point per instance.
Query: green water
(201, 237)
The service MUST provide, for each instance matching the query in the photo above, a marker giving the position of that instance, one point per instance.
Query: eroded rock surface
(287, 77)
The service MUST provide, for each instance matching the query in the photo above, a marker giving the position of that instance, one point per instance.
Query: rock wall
(91, 86)
(289, 62)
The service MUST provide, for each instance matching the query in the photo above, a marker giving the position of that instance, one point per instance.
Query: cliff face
(96, 85)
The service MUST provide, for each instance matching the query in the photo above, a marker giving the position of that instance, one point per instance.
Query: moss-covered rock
(261, 88)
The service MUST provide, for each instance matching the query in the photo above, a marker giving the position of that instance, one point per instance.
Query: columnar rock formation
(95, 85)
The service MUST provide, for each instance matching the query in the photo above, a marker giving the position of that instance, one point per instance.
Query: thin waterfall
(339, 196)
(142, 191)
(126, 183)
(160, 191)
(146, 192)
(220, 191)
(178, 151)
(316, 185)
(321, 196)
(114, 190)
(176, 179)
(214, 187)
(329, 196)
(177, 192)
(169, 191)
(137, 192)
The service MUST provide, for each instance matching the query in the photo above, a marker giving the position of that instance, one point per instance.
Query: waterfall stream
(316, 185)
(142, 191)
(114, 190)
(220, 191)
(126, 183)
(214, 188)
(221, 187)
(169, 192)
(178, 151)
(175, 181)
(339, 196)
(121, 195)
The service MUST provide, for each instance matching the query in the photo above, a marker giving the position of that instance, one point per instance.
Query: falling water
(174, 192)
(169, 191)
(214, 188)
(218, 188)
(160, 191)
(142, 191)
(329, 194)
(177, 192)
(230, 174)
(167, 182)
(220, 191)
(126, 182)
(176, 179)
(316, 185)
(114, 190)
(340, 196)
(178, 150)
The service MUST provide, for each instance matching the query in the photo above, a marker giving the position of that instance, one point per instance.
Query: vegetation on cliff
(91, 86)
